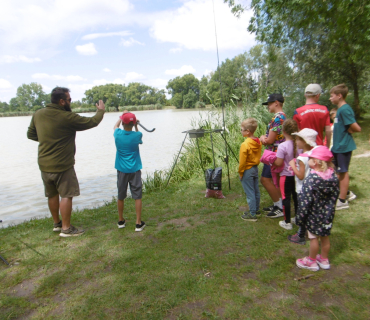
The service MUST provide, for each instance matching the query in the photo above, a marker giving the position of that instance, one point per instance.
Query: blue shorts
(266, 171)
(342, 161)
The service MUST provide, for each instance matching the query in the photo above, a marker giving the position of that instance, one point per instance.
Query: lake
(21, 188)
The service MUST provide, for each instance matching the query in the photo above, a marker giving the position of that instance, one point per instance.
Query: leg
(273, 192)
(325, 247)
(66, 212)
(120, 207)
(138, 206)
(257, 192)
(53, 203)
(314, 248)
(343, 184)
(248, 186)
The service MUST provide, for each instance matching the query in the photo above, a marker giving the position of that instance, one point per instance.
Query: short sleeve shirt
(286, 151)
(313, 116)
(128, 155)
(342, 140)
(276, 124)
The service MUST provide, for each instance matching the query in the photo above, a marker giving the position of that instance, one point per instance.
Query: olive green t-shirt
(342, 140)
(55, 130)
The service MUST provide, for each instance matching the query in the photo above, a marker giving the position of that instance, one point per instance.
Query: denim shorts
(266, 171)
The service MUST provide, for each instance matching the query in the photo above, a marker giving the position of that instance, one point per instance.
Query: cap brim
(305, 155)
(265, 103)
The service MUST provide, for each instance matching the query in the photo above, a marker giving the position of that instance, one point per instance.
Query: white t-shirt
(299, 183)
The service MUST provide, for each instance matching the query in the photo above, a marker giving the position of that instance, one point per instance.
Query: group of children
(295, 167)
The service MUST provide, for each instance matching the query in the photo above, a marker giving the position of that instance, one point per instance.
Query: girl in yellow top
(249, 159)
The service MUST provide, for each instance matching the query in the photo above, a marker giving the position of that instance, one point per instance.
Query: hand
(137, 121)
(101, 105)
(292, 163)
(263, 139)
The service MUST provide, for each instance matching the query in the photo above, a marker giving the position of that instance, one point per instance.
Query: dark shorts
(266, 171)
(132, 179)
(63, 183)
(342, 161)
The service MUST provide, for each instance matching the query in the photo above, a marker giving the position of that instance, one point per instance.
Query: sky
(83, 43)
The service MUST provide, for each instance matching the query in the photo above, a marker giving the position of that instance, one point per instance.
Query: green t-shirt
(342, 140)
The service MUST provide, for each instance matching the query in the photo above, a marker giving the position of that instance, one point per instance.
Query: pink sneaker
(306, 263)
(323, 263)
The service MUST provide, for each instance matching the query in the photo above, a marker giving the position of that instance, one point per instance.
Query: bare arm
(299, 173)
(278, 162)
(271, 138)
(328, 136)
(354, 127)
(118, 123)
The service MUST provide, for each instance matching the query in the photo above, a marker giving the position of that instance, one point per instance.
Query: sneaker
(140, 227)
(307, 263)
(341, 205)
(268, 209)
(58, 226)
(275, 213)
(323, 263)
(285, 225)
(258, 212)
(292, 221)
(248, 217)
(121, 224)
(351, 196)
(71, 232)
(296, 239)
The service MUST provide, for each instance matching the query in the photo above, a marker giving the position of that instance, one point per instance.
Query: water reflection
(21, 188)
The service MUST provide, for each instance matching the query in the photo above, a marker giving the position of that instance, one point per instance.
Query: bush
(158, 106)
(112, 109)
(200, 104)
(190, 99)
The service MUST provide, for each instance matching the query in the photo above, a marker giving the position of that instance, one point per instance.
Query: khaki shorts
(63, 183)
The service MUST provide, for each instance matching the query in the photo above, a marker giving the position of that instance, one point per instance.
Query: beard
(67, 107)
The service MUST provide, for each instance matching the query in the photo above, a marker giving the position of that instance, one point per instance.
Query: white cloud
(175, 50)
(87, 49)
(106, 34)
(199, 33)
(133, 76)
(5, 84)
(180, 72)
(28, 27)
(57, 77)
(130, 42)
(17, 58)
(158, 83)
(106, 70)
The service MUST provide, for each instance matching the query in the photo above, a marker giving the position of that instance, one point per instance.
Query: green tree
(179, 87)
(30, 95)
(328, 39)
(4, 107)
(190, 99)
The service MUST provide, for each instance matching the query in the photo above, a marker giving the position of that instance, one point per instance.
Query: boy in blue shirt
(343, 144)
(128, 165)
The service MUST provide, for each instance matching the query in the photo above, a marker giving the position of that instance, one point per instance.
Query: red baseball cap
(320, 152)
(128, 117)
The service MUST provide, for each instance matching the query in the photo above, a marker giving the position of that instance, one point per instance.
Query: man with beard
(54, 127)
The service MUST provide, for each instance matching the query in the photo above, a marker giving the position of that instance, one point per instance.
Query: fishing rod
(226, 158)
(145, 128)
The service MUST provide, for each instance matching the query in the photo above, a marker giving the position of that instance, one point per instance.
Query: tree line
(293, 51)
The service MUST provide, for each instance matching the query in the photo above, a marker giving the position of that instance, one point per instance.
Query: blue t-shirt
(342, 140)
(128, 155)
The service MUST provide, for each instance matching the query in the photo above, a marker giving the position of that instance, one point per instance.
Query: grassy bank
(196, 259)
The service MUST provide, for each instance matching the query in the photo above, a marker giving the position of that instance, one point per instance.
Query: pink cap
(320, 152)
(128, 117)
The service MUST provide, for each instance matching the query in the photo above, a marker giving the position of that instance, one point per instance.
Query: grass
(196, 259)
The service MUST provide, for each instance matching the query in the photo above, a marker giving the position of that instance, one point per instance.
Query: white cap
(313, 89)
(308, 135)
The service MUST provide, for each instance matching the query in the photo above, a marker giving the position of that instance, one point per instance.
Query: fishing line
(226, 158)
